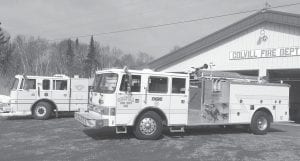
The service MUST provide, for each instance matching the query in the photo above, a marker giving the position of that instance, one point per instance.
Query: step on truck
(40, 96)
(148, 101)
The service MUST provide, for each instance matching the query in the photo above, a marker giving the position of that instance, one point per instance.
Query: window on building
(30, 84)
(135, 83)
(60, 84)
(158, 85)
(178, 85)
(46, 84)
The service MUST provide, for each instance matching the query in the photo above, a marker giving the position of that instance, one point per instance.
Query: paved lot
(65, 139)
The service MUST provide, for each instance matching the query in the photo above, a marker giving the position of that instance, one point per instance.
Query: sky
(62, 19)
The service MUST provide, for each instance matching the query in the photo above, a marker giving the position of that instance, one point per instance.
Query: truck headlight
(103, 110)
(90, 108)
(112, 111)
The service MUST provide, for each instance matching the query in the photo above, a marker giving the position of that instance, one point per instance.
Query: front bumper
(4, 107)
(91, 119)
(6, 111)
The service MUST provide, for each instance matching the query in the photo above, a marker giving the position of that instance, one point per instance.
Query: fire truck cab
(148, 101)
(39, 96)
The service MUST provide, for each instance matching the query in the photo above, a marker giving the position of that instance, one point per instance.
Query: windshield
(15, 85)
(105, 83)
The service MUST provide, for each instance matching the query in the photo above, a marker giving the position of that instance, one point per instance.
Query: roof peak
(263, 15)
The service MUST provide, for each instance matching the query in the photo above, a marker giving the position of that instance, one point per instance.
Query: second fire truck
(40, 96)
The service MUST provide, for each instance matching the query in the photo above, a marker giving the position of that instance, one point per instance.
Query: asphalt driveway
(65, 139)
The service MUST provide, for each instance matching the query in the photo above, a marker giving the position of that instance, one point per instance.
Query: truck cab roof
(144, 71)
(43, 77)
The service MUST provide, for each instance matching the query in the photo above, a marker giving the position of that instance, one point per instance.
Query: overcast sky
(58, 19)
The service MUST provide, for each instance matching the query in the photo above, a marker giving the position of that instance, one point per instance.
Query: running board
(121, 129)
(176, 129)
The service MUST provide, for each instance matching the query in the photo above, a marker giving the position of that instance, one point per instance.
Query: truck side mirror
(25, 87)
(129, 83)
(91, 88)
(128, 88)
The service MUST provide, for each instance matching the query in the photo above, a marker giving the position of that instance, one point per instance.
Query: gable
(221, 36)
(279, 38)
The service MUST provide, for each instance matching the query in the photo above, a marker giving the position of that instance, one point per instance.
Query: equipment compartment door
(210, 103)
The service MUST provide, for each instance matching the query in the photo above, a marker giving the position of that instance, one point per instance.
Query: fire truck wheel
(260, 123)
(148, 127)
(42, 111)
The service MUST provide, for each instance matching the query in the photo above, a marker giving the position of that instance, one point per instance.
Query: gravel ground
(65, 139)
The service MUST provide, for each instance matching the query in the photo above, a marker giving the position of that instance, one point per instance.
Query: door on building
(291, 77)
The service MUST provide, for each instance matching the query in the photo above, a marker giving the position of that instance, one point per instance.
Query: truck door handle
(39, 91)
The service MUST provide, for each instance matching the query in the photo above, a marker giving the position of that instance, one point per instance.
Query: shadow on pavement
(110, 134)
(106, 134)
(19, 118)
(206, 130)
(61, 115)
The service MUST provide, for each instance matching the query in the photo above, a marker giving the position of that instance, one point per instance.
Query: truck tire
(148, 126)
(41, 111)
(260, 123)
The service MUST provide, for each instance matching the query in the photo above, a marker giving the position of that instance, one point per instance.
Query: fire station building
(265, 44)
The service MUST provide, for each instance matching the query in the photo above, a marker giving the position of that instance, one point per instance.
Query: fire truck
(147, 101)
(40, 96)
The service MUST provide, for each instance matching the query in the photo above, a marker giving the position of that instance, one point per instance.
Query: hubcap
(262, 123)
(148, 126)
(40, 111)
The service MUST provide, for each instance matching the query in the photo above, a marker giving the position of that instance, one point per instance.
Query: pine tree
(76, 43)
(70, 58)
(4, 38)
(91, 58)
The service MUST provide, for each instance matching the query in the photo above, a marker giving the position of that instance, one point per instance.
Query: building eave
(225, 33)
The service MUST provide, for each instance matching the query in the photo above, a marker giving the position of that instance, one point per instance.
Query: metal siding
(219, 36)
(278, 36)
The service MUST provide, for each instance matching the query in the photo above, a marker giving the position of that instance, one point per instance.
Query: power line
(175, 23)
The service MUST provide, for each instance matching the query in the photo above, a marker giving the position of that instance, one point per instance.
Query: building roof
(225, 33)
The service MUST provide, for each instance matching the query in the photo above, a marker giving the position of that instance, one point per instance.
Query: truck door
(60, 94)
(44, 90)
(179, 101)
(129, 103)
(158, 94)
(27, 94)
(79, 94)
